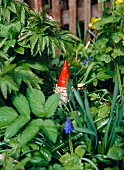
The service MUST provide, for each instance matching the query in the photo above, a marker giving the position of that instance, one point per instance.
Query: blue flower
(74, 74)
(68, 126)
(90, 58)
(84, 62)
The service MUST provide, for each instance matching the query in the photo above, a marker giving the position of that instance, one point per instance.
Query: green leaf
(16, 125)
(116, 153)
(49, 129)
(3, 55)
(10, 43)
(22, 163)
(9, 165)
(114, 168)
(19, 50)
(22, 15)
(36, 100)
(80, 151)
(38, 161)
(45, 153)
(106, 58)
(51, 104)
(117, 52)
(7, 115)
(71, 162)
(115, 37)
(104, 111)
(30, 131)
(33, 42)
(21, 104)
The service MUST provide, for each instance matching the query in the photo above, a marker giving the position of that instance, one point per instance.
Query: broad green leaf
(37, 65)
(106, 58)
(9, 164)
(36, 100)
(7, 115)
(117, 52)
(10, 43)
(71, 162)
(50, 131)
(57, 167)
(30, 131)
(21, 104)
(80, 151)
(19, 50)
(115, 37)
(16, 125)
(22, 163)
(38, 161)
(8, 68)
(104, 110)
(31, 79)
(45, 153)
(51, 104)
(116, 153)
(12, 7)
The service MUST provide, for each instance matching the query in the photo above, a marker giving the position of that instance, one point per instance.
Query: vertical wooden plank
(56, 10)
(100, 8)
(87, 17)
(72, 16)
(37, 5)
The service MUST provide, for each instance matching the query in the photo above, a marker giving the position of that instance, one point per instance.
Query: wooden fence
(68, 12)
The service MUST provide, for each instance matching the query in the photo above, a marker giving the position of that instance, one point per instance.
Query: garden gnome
(62, 82)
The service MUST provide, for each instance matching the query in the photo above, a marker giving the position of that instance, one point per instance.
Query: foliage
(37, 131)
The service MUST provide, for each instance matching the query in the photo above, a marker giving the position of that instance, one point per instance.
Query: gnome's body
(62, 82)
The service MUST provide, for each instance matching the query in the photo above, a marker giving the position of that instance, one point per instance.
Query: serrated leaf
(30, 131)
(7, 115)
(16, 125)
(51, 104)
(50, 131)
(21, 104)
(36, 100)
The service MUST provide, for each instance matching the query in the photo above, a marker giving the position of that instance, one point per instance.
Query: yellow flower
(122, 36)
(93, 20)
(118, 2)
(123, 42)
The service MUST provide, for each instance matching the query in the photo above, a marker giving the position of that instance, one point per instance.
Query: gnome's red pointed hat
(64, 75)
